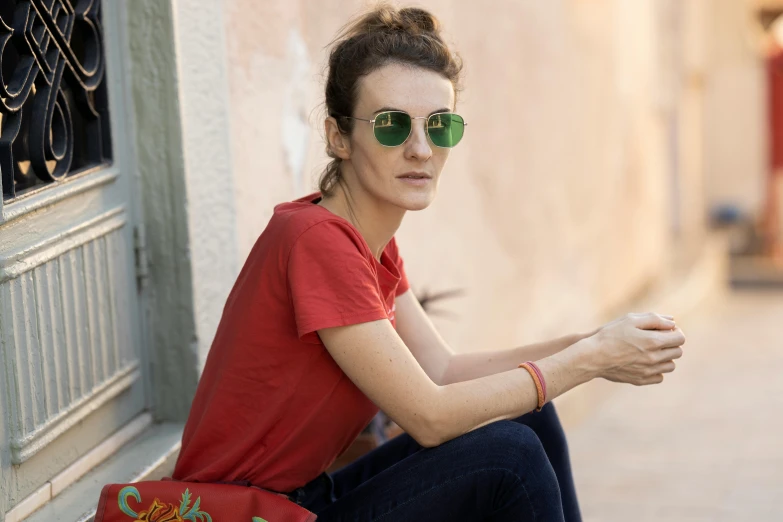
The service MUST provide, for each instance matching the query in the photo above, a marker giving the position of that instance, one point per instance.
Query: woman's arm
(376, 359)
(466, 366)
(446, 367)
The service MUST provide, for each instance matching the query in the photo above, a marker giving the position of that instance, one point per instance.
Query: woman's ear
(339, 144)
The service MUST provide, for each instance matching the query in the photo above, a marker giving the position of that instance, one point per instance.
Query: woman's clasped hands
(637, 348)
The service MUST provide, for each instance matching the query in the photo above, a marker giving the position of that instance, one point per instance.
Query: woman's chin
(418, 201)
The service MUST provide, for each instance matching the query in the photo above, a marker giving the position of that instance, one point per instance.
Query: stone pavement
(707, 443)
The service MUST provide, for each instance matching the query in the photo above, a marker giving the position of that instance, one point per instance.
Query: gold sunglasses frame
(426, 128)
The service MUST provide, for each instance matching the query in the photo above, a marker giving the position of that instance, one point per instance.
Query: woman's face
(379, 171)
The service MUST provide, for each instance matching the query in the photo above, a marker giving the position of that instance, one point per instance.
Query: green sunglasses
(392, 128)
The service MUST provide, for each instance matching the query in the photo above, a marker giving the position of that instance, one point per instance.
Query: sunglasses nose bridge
(415, 125)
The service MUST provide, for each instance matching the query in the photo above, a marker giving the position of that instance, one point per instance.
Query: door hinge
(142, 263)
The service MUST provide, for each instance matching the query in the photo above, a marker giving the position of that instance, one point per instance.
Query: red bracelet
(540, 376)
(538, 379)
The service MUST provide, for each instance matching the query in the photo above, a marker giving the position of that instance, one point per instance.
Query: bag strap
(245, 483)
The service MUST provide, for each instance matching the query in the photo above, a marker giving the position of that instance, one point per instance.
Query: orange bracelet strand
(537, 380)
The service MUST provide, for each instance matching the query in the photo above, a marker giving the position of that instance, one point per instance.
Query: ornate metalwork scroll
(53, 102)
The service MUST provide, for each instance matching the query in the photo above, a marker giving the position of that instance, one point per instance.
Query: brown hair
(372, 40)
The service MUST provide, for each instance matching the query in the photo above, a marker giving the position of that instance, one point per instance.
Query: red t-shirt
(272, 407)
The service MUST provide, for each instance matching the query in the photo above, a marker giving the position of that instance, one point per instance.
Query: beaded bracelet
(538, 379)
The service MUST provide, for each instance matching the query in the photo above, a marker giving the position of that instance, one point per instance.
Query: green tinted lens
(445, 130)
(392, 128)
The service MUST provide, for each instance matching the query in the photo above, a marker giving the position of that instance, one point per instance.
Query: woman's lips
(415, 180)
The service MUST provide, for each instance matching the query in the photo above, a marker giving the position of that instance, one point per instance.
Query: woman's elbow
(428, 430)
(426, 440)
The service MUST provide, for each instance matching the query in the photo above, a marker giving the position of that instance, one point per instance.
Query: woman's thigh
(379, 459)
(499, 472)
(545, 424)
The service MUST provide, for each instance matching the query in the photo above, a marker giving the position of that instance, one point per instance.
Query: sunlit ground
(707, 444)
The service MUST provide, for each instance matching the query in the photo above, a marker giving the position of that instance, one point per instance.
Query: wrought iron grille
(53, 101)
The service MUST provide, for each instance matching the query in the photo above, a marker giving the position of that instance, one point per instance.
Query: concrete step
(150, 456)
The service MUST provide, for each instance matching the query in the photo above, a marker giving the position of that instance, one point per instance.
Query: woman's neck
(377, 221)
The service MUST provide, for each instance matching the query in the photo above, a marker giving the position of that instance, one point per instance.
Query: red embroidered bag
(172, 501)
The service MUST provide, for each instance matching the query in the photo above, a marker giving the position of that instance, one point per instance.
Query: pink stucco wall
(556, 206)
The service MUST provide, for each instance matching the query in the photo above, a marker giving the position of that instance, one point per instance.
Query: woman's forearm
(637, 349)
(467, 366)
(464, 406)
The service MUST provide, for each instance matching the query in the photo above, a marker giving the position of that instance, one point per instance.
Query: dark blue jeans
(513, 470)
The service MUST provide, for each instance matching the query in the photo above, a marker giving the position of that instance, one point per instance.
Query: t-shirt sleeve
(394, 254)
(331, 281)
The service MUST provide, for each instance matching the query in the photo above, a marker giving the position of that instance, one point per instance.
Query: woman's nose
(418, 146)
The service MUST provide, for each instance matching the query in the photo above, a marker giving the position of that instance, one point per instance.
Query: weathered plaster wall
(553, 209)
(202, 71)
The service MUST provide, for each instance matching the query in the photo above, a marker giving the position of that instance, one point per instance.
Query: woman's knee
(514, 449)
(510, 438)
(546, 425)
(508, 444)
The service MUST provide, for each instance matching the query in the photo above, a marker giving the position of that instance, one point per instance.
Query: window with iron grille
(53, 102)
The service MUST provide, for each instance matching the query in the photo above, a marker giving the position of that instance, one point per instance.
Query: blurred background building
(617, 153)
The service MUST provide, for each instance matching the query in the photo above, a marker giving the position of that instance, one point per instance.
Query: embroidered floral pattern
(160, 512)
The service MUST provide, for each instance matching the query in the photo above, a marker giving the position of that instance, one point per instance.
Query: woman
(321, 328)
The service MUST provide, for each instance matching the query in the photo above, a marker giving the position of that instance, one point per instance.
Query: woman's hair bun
(413, 20)
(416, 19)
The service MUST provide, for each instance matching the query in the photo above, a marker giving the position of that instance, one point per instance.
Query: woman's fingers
(653, 379)
(653, 322)
(665, 367)
(654, 374)
(668, 339)
(667, 354)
